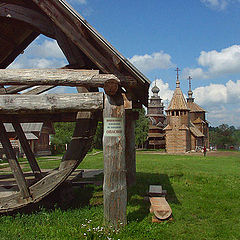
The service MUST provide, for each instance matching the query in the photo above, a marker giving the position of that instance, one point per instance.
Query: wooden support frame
(26, 148)
(13, 163)
(114, 187)
(41, 22)
(51, 103)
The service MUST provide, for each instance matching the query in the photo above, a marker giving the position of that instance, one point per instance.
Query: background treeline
(64, 131)
(224, 137)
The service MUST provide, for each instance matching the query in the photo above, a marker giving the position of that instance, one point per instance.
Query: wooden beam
(37, 20)
(13, 163)
(41, 117)
(26, 148)
(50, 103)
(114, 187)
(18, 50)
(55, 77)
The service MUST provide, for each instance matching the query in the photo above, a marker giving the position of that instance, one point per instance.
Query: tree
(224, 136)
(63, 135)
(141, 128)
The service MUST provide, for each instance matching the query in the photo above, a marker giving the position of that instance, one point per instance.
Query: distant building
(156, 134)
(187, 128)
(37, 135)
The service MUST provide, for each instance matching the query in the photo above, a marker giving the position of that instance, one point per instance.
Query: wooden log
(56, 77)
(13, 163)
(111, 87)
(114, 187)
(51, 103)
(130, 150)
(26, 148)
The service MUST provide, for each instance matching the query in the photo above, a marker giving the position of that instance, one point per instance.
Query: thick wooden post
(114, 187)
(130, 148)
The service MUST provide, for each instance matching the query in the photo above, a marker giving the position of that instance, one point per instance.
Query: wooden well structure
(93, 64)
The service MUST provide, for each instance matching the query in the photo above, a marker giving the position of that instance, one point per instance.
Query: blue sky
(201, 37)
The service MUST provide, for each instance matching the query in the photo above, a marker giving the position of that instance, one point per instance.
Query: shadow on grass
(140, 190)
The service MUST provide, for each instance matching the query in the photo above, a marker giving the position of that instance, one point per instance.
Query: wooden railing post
(114, 187)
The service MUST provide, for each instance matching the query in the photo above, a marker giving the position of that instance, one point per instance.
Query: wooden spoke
(13, 163)
(26, 148)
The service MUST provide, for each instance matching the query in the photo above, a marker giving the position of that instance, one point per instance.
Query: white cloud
(41, 55)
(221, 101)
(226, 61)
(216, 4)
(157, 60)
(46, 49)
(78, 1)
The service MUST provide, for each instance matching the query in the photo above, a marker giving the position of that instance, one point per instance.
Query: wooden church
(187, 128)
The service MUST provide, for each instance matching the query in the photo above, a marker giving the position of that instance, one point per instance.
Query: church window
(172, 113)
(177, 113)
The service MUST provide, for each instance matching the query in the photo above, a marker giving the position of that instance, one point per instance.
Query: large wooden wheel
(19, 189)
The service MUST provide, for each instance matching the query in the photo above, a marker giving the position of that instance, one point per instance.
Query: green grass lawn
(203, 193)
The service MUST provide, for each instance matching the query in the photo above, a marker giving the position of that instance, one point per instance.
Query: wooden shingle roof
(178, 101)
(194, 107)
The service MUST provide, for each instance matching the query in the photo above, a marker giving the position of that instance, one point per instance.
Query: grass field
(202, 192)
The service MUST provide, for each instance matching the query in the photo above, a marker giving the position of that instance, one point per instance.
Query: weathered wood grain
(55, 77)
(114, 187)
(26, 148)
(51, 103)
(13, 163)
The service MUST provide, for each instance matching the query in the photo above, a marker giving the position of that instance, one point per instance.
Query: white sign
(113, 127)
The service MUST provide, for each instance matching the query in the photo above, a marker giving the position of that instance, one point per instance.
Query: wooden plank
(41, 117)
(160, 208)
(51, 103)
(38, 90)
(56, 77)
(114, 187)
(130, 150)
(13, 163)
(26, 148)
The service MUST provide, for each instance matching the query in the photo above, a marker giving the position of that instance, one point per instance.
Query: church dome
(155, 89)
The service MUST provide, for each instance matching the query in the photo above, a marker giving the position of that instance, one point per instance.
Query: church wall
(176, 141)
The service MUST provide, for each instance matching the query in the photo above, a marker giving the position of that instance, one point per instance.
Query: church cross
(178, 70)
(190, 85)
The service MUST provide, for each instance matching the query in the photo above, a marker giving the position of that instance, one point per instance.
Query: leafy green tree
(62, 136)
(141, 129)
(224, 136)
